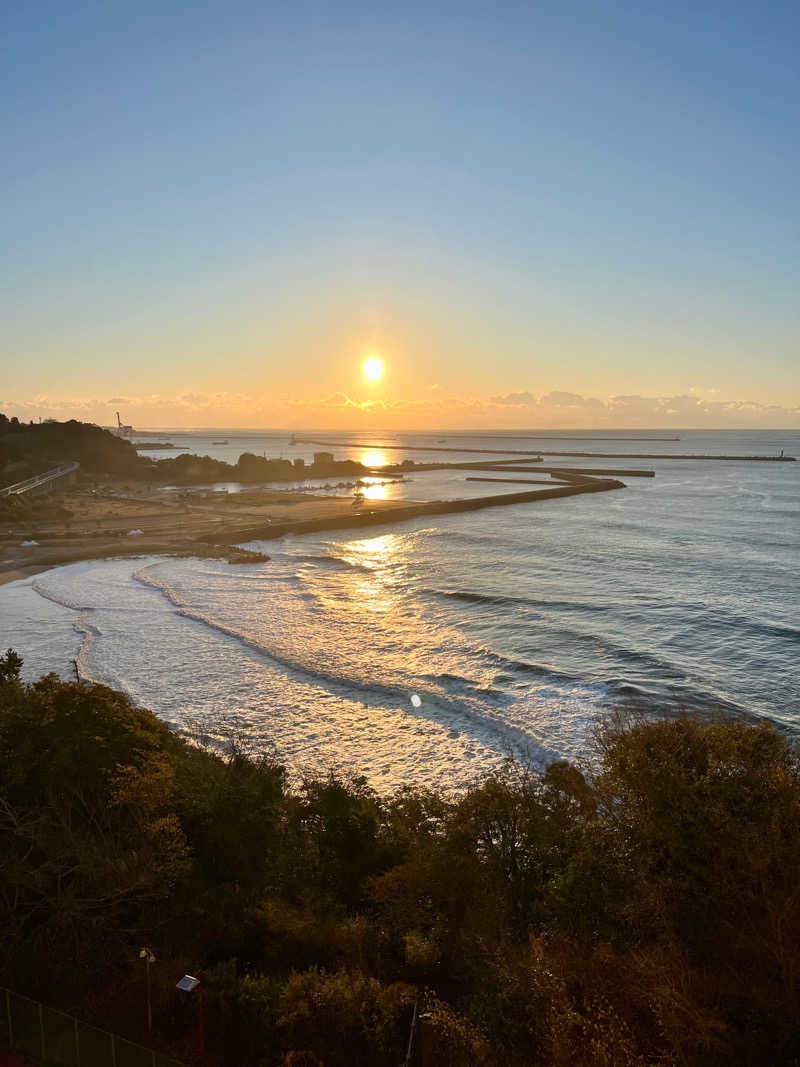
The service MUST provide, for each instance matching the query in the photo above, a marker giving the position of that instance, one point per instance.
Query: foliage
(650, 915)
(31, 448)
(188, 469)
(28, 449)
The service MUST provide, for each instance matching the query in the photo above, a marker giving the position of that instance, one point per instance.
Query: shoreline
(216, 536)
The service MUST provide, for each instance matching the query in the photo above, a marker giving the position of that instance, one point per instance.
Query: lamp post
(148, 957)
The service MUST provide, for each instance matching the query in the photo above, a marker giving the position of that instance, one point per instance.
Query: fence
(52, 1038)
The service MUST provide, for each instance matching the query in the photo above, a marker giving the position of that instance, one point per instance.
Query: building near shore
(323, 459)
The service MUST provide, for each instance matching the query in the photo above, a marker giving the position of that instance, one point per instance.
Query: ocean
(430, 651)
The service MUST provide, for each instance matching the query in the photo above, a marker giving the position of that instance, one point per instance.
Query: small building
(299, 464)
(323, 459)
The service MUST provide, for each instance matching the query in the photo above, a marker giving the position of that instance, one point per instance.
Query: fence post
(41, 1033)
(10, 1024)
(77, 1042)
(113, 1052)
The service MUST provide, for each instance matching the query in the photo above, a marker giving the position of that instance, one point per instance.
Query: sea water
(431, 650)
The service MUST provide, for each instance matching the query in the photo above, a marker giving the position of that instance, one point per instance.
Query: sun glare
(373, 369)
(374, 459)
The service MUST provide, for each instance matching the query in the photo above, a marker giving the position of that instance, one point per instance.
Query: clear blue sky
(241, 197)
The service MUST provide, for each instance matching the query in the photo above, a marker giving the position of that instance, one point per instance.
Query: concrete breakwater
(552, 437)
(405, 512)
(547, 452)
(576, 472)
(510, 481)
(669, 455)
(514, 466)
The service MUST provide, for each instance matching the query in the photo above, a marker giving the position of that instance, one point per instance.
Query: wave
(328, 561)
(81, 625)
(48, 594)
(782, 631)
(504, 600)
(670, 699)
(465, 712)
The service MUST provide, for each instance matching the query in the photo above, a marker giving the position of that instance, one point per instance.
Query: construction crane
(124, 431)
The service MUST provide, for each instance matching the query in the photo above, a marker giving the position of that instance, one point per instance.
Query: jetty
(511, 481)
(546, 437)
(404, 512)
(506, 468)
(549, 452)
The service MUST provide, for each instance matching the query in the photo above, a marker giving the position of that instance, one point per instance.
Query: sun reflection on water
(372, 592)
(374, 458)
(374, 491)
(376, 551)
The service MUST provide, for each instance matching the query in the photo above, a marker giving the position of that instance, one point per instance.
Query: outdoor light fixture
(148, 956)
(188, 984)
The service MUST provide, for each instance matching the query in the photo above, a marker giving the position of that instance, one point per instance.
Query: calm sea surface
(513, 629)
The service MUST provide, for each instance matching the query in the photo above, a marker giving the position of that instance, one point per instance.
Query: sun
(373, 369)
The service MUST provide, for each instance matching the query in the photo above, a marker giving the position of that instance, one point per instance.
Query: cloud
(636, 411)
(558, 409)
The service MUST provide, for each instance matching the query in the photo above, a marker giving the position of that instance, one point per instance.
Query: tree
(10, 667)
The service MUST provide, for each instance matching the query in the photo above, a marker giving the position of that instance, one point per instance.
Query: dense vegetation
(31, 448)
(649, 916)
(189, 469)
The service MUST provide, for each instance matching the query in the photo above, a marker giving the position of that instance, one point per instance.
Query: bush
(648, 916)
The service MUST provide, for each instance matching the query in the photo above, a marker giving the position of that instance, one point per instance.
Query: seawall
(412, 511)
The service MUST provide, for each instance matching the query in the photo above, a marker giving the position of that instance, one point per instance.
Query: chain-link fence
(54, 1039)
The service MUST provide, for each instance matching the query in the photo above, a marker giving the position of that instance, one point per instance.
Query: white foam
(332, 665)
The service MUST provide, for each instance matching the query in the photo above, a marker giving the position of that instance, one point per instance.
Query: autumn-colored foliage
(648, 916)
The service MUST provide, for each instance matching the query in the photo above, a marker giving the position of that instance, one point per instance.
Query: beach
(516, 627)
(123, 520)
(207, 524)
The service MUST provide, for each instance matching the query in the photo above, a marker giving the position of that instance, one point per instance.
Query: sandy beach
(119, 521)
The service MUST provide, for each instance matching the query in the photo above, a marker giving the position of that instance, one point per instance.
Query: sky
(535, 214)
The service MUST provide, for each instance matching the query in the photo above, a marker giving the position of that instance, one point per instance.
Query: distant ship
(219, 442)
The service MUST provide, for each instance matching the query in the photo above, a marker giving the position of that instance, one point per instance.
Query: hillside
(647, 916)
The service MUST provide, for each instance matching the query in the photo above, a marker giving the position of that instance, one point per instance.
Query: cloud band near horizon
(435, 410)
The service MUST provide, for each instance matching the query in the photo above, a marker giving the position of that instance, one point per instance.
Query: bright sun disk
(373, 369)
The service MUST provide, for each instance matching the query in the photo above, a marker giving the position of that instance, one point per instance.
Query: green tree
(10, 666)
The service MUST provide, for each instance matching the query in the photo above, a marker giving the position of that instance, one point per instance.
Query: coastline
(129, 526)
(215, 534)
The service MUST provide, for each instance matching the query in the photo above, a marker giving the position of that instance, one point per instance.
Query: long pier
(412, 511)
(419, 448)
(583, 472)
(547, 452)
(511, 481)
(546, 437)
(504, 465)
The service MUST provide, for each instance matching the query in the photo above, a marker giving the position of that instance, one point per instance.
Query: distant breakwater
(547, 452)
